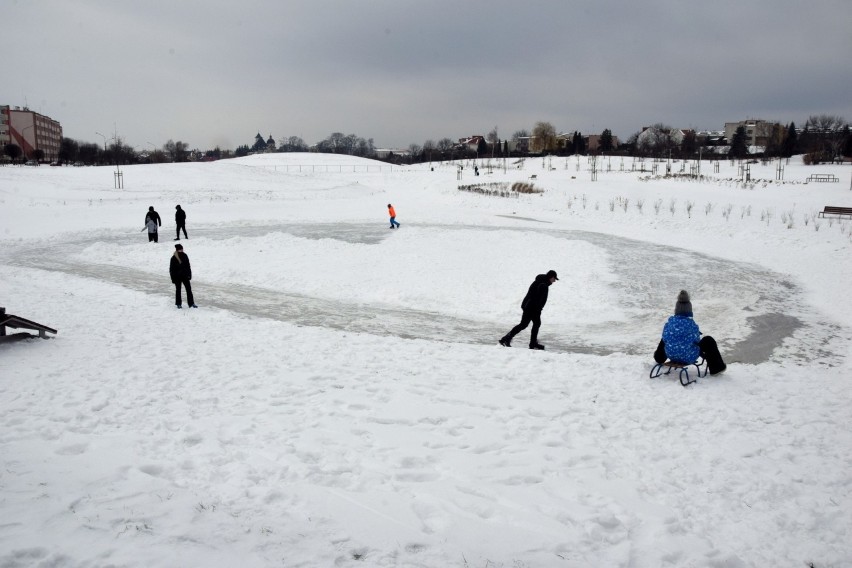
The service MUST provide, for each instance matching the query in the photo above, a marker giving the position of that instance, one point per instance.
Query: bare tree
(68, 150)
(428, 147)
(828, 133)
(121, 153)
(543, 137)
(414, 151)
(493, 139)
(13, 151)
(293, 144)
(335, 141)
(656, 140)
(176, 151)
(157, 157)
(365, 148)
(88, 152)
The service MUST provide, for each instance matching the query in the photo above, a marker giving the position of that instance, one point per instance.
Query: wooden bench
(15, 322)
(683, 373)
(839, 211)
(823, 178)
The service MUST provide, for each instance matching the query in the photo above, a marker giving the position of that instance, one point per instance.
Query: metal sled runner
(683, 374)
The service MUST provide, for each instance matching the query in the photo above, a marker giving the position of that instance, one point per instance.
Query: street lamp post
(105, 148)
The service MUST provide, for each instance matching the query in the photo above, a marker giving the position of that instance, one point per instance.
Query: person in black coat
(152, 221)
(180, 221)
(532, 305)
(181, 273)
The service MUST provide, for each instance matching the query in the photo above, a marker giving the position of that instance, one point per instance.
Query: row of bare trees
(824, 137)
(117, 152)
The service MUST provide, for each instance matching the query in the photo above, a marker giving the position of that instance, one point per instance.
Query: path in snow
(647, 274)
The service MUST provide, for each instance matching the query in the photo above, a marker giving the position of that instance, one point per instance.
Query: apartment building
(4, 128)
(30, 131)
(758, 132)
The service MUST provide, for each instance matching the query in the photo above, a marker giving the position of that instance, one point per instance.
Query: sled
(683, 373)
(16, 322)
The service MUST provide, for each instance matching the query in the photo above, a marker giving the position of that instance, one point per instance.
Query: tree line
(823, 138)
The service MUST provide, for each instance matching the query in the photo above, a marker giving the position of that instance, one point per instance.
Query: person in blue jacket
(682, 341)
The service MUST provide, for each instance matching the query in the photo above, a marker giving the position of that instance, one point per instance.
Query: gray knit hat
(683, 307)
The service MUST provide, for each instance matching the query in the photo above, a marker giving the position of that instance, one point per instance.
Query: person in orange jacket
(392, 214)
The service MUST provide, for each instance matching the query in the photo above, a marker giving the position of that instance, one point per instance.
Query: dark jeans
(179, 227)
(709, 350)
(189, 299)
(526, 318)
(152, 237)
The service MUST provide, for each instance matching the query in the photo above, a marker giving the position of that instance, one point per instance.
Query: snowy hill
(339, 398)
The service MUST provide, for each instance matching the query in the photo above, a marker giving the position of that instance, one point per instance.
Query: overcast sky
(212, 72)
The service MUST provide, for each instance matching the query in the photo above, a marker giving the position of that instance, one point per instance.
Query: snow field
(145, 436)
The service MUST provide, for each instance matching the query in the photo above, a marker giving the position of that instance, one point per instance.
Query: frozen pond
(647, 275)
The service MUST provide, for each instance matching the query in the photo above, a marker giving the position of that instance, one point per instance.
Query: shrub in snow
(501, 189)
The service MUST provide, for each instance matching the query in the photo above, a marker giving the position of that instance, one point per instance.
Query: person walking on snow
(181, 273)
(152, 221)
(532, 305)
(180, 221)
(392, 214)
(682, 341)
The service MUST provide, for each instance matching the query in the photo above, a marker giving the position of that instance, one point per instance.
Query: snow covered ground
(339, 398)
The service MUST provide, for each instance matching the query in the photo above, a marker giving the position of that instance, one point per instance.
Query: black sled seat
(683, 373)
(16, 322)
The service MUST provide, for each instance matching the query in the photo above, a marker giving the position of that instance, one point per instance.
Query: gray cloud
(216, 72)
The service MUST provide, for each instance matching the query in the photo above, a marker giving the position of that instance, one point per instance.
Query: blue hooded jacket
(681, 336)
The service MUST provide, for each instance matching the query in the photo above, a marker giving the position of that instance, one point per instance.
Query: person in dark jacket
(531, 308)
(682, 341)
(181, 273)
(180, 221)
(152, 221)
